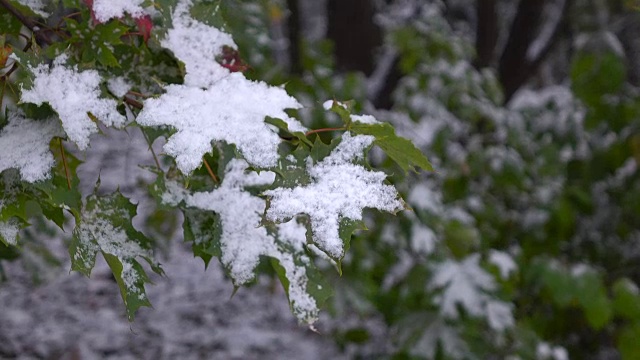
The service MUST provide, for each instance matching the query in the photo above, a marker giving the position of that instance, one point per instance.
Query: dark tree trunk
(354, 34)
(513, 66)
(293, 25)
(486, 32)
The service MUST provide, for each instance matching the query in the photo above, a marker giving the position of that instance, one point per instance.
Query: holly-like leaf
(105, 227)
(399, 149)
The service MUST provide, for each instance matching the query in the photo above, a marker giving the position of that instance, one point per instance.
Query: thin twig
(64, 163)
(213, 176)
(135, 93)
(323, 130)
(155, 158)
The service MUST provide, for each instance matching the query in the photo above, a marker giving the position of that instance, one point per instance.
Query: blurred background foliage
(525, 241)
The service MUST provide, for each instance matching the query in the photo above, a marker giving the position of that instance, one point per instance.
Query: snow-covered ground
(194, 316)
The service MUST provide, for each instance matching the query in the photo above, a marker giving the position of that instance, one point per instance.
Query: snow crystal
(365, 119)
(243, 241)
(76, 94)
(503, 261)
(118, 86)
(9, 230)
(109, 9)
(214, 104)
(28, 141)
(340, 190)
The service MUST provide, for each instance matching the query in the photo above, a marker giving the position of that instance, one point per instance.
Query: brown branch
(323, 130)
(136, 104)
(41, 37)
(64, 163)
(213, 176)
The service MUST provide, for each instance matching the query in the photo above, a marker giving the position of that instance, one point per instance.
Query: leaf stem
(64, 163)
(213, 176)
(155, 158)
(323, 130)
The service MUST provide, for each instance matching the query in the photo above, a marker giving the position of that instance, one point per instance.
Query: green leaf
(399, 149)
(283, 126)
(628, 343)
(626, 299)
(105, 226)
(592, 295)
(203, 229)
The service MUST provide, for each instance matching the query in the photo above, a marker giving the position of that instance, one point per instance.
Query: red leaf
(144, 26)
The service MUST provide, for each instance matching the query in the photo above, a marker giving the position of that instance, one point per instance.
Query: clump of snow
(9, 230)
(503, 261)
(26, 143)
(244, 241)
(196, 45)
(465, 283)
(423, 239)
(545, 351)
(214, 104)
(118, 86)
(37, 6)
(231, 110)
(105, 10)
(340, 190)
(73, 94)
(365, 119)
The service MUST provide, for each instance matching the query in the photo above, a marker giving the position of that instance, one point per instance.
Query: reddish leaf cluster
(231, 60)
(5, 51)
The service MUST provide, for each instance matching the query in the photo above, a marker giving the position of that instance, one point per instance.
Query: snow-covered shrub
(250, 179)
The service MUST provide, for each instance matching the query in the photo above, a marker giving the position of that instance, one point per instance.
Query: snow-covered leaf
(340, 190)
(28, 141)
(214, 104)
(235, 235)
(76, 97)
(105, 227)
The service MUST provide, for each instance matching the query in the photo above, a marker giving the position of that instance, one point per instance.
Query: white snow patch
(26, 143)
(118, 86)
(544, 351)
(465, 283)
(340, 190)
(423, 239)
(503, 261)
(9, 230)
(365, 119)
(36, 5)
(73, 95)
(105, 10)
